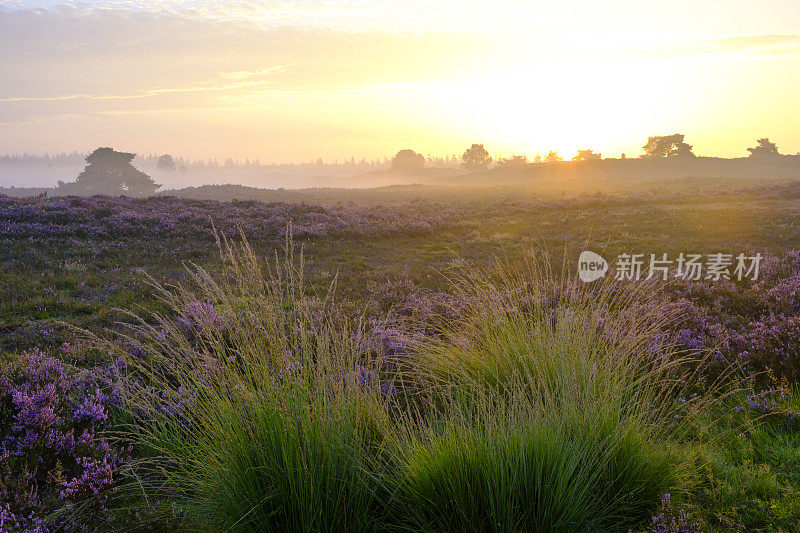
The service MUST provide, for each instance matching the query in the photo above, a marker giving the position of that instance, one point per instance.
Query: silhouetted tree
(682, 149)
(476, 158)
(515, 161)
(667, 146)
(587, 155)
(765, 148)
(111, 173)
(166, 163)
(408, 160)
(553, 157)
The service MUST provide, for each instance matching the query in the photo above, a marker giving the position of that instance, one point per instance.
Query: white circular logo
(591, 266)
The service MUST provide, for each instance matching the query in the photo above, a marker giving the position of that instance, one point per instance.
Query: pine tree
(765, 148)
(111, 173)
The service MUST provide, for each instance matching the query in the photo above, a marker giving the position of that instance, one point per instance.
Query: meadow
(409, 358)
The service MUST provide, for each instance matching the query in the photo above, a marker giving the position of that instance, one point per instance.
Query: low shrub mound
(57, 468)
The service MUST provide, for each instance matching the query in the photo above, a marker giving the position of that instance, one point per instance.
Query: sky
(292, 81)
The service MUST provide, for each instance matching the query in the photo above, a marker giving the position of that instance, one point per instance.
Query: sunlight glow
(285, 81)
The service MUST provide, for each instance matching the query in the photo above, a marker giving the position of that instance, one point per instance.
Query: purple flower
(52, 441)
(670, 520)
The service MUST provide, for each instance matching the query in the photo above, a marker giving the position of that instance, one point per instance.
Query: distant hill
(621, 170)
(607, 176)
(382, 178)
(22, 192)
(316, 195)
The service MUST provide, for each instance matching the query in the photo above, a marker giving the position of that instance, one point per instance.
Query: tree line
(110, 172)
(476, 158)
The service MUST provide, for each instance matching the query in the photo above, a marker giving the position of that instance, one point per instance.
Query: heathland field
(415, 358)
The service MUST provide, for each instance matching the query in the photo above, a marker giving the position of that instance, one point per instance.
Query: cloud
(209, 86)
(71, 75)
(758, 44)
(62, 55)
(763, 45)
(340, 15)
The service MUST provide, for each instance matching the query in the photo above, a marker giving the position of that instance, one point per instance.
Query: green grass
(508, 420)
(555, 409)
(272, 432)
(519, 474)
(747, 467)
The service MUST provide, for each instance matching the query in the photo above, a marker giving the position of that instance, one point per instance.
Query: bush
(58, 470)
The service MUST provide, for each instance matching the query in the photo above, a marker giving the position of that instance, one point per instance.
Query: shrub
(57, 467)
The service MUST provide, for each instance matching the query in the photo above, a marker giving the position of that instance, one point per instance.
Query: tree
(408, 160)
(667, 146)
(111, 173)
(476, 158)
(587, 155)
(166, 163)
(682, 149)
(553, 157)
(765, 148)
(515, 161)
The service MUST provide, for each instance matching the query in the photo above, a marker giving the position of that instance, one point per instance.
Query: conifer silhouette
(111, 173)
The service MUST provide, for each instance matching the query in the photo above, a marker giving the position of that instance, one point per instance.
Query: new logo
(591, 266)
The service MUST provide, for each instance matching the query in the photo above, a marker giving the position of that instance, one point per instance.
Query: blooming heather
(52, 454)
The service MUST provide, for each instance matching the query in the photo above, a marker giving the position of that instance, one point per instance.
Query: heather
(108, 217)
(224, 377)
(751, 325)
(56, 466)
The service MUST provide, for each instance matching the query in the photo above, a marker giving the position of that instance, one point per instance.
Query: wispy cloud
(209, 86)
(736, 46)
(45, 119)
(341, 15)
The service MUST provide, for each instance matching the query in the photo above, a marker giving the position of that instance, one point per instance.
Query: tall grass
(553, 408)
(545, 406)
(258, 402)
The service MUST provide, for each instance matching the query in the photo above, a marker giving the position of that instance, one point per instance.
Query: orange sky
(283, 81)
